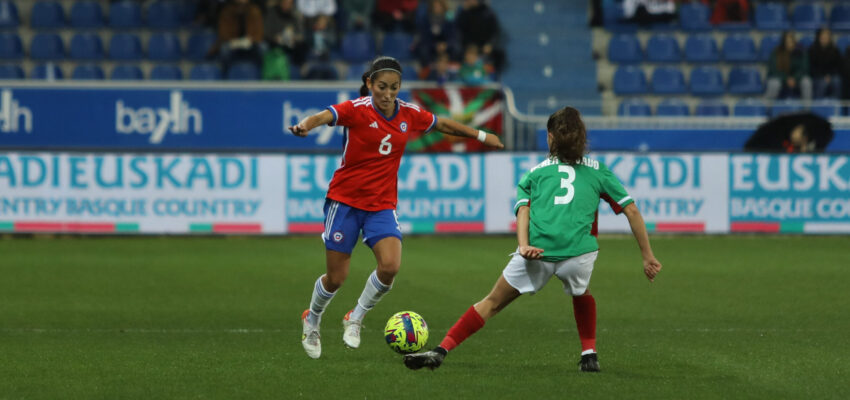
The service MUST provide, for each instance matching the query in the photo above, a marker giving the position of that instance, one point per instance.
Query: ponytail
(377, 65)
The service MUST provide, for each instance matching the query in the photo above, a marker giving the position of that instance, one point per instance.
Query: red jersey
(367, 178)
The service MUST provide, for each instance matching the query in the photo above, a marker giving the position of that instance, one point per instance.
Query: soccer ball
(406, 332)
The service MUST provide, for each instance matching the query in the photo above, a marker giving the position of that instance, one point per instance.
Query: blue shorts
(344, 223)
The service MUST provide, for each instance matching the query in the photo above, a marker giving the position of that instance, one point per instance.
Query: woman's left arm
(454, 128)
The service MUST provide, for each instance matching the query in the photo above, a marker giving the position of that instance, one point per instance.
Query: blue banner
(166, 118)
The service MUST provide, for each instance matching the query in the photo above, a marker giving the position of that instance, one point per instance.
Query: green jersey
(563, 200)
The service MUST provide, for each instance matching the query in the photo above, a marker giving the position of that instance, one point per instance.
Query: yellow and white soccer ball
(406, 332)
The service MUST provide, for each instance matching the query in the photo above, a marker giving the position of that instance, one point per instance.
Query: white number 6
(386, 146)
(567, 183)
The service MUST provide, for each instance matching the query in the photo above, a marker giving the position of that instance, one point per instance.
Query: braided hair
(380, 64)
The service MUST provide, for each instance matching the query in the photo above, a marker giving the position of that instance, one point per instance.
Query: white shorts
(529, 276)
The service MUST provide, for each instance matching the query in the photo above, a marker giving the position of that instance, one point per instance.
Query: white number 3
(567, 183)
(386, 146)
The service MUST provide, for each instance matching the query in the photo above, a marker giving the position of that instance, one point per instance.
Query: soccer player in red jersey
(363, 194)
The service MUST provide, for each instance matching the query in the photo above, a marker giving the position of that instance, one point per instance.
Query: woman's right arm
(322, 118)
(651, 266)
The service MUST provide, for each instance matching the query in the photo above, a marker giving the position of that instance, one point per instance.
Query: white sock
(371, 295)
(318, 302)
(588, 352)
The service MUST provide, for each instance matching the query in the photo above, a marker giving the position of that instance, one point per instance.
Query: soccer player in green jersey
(556, 205)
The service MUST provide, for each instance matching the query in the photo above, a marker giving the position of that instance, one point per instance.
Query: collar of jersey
(395, 112)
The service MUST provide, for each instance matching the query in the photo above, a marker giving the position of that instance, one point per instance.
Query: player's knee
(334, 281)
(389, 268)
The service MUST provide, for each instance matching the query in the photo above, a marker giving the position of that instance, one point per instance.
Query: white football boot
(310, 338)
(351, 335)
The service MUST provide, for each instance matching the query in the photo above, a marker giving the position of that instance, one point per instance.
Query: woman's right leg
(323, 292)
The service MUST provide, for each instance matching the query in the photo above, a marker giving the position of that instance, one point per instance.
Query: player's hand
(651, 267)
(298, 130)
(530, 252)
(493, 141)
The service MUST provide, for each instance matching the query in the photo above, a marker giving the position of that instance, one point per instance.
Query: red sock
(584, 308)
(468, 324)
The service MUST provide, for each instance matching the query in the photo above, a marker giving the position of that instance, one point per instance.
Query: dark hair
(569, 136)
(380, 63)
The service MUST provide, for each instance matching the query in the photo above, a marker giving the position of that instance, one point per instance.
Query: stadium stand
(86, 46)
(127, 72)
(47, 15)
(87, 72)
(672, 107)
(11, 47)
(86, 14)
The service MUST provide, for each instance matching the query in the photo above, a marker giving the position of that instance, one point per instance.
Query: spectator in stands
(284, 28)
(646, 12)
(825, 65)
(730, 11)
(206, 12)
(311, 9)
(359, 14)
(788, 70)
(477, 24)
(474, 71)
(442, 70)
(436, 33)
(322, 37)
(391, 15)
(240, 34)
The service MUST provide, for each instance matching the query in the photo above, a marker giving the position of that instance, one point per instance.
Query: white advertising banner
(141, 193)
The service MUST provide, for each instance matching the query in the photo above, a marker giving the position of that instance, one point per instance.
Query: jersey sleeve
(424, 121)
(343, 113)
(612, 187)
(523, 192)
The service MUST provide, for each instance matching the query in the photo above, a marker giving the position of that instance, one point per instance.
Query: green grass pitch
(172, 317)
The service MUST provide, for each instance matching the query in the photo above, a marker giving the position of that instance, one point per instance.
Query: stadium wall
(198, 158)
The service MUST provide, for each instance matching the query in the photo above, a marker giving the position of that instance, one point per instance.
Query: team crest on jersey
(338, 236)
(403, 126)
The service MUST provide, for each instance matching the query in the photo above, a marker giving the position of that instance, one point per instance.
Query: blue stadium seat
(771, 17)
(707, 81)
(205, 72)
(355, 71)
(839, 17)
(694, 16)
(186, 11)
(397, 45)
(199, 44)
(164, 14)
(164, 46)
(668, 80)
(47, 46)
(624, 49)
(635, 107)
(86, 46)
(808, 17)
(826, 108)
(842, 43)
(786, 106)
(408, 72)
(46, 71)
(321, 71)
(88, 72)
(166, 73)
(746, 81)
(750, 107)
(11, 71)
(663, 48)
(629, 80)
(126, 47)
(47, 14)
(9, 15)
(701, 48)
(243, 71)
(125, 14)
(712, 108)
(127, 72)
(739, 48)
(86, 14)
(767, 45)
(672, 108)
(357, 47)
(11, 47)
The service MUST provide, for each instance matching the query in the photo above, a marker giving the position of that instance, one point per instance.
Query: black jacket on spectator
(824, 60)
